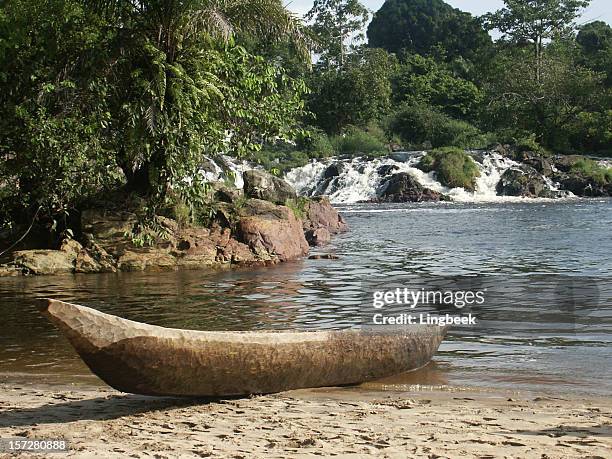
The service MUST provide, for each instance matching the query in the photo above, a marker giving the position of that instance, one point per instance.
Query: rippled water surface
(527, 337)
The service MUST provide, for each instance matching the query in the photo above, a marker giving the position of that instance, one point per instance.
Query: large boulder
(540, 162)
(333, 170)
(319, 213)
(317, 237)
(148, 259)
(44, 261)
(272, 232)
(261, 185)
(523, 181)
(584, 186)
(108, 229)
(403, 187)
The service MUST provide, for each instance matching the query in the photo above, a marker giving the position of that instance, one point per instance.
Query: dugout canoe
(150, 360)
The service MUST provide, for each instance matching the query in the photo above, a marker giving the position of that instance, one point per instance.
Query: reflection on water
(526, 343)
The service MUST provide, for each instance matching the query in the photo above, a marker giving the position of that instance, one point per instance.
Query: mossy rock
(454, 168)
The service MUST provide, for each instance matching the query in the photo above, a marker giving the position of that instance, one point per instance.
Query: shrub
(420, 125)
(358, 141)
(453, 167)
(592, 169)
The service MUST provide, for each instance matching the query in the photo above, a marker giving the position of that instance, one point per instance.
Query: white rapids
(359, 179)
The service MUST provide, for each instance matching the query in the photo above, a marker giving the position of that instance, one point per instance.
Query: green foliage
(591, 169)
(334, 23)
(427, 27)
(529, 143)
(545, 103)
(51, 118)
(279, 157)
(422, 80)
(423, 126)
(319, 145)
(298, 206)
(591, 131)
(453, 167)
(87, 106)
(595, 41)
(358, 94)
(526, 21)
(355, 141)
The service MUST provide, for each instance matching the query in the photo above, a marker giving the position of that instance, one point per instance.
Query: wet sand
(317, 422)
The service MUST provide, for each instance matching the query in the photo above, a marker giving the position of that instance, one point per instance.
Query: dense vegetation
(120, 97)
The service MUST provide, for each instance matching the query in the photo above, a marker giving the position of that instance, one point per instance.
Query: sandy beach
(317, 422)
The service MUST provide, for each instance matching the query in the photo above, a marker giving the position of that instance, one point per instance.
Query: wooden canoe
(145, 359)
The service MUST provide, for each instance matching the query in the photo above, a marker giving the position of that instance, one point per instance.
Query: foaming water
(521, 344)
(362, 179)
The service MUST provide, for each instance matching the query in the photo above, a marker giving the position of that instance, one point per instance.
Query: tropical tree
(334, 22)
(427, 27)
(357, 94)
(95, 92)
(546, 104)
(535, 22)
(595, 40)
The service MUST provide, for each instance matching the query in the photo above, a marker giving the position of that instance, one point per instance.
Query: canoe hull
(144, 359)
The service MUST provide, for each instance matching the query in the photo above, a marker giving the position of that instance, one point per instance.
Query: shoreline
(348, 421)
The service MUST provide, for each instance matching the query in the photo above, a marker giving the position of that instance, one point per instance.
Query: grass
(453, 167)
(357, 141)
(298, 206)
(591, 169)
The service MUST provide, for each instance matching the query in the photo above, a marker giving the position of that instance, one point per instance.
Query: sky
(599, 10)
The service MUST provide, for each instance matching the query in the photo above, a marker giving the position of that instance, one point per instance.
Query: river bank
(261, 225)
(323, 422)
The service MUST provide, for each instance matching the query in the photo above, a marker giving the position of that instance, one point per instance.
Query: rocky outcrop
(403, 187)
(44, 261)
(272, 231)
(523, 181)
(538, 161)
(319, 213)
(583, 186)
(574, 179)
(333, 170)
(243, 232)
(261, 185)
(317, 237)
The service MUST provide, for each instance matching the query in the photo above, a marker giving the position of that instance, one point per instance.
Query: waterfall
(359, 179)
(226, 168)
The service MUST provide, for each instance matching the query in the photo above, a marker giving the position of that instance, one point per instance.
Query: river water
(532, 256)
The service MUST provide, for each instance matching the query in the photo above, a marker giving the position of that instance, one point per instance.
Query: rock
(146, 260)
(261, 185)
(94, 260)
(109, 229)
(226, 193)
(9, 271)
(272, 231)
(523, 181)
(85, 263)
(403, 187)
(319, 213)
(44, 261)
(565, 163)
(333, 170)
(71, 247)
(386, 169)
(583, 186)
(318, 237)
(538, 161)
(324, 256)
